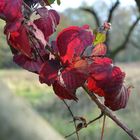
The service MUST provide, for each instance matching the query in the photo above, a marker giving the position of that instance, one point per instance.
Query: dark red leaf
(49, 72)
(45, 25)
(48, 21)
(19, 40)
(73, 41)
(75, 74)
(118, 101)
(55, 16)
(100, 68)
(62, 92)
(12, 26)
(72, 78)
(10, 10)
(27, 63)
(2, 4)
(107, 80)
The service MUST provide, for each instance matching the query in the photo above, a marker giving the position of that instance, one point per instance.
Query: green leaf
(100, 38)
(58, 2)
(50, 1)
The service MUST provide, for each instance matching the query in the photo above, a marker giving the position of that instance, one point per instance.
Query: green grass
(41, 97)
(26, 84)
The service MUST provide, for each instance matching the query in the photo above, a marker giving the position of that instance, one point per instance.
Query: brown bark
(111, 115)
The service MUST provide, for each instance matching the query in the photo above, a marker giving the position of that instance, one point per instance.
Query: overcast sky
(76, 3)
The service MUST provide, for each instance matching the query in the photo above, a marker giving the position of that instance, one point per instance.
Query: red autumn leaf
(12, 26)
(115, 81)
(2, 4)
(72, 78)
(118, 101)
(99, 50)
(100, 68)
(19, 40)
(94, 86)
(27, 63)
(73, 41)
(49, 72)
(62, 92)
(75, 74)
(81, 65)
(45, 25)
(48, 21)
(55, 16)
(10, 10)
(107, 80)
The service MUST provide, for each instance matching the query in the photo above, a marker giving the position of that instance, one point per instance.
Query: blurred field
(41, 97)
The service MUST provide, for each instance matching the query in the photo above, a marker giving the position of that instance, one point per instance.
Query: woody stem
(111, 114)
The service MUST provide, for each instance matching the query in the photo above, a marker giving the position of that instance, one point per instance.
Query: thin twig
(111, 11)
(135, 45)
(110, 17)
(97, 118)
(73, 119)
(93, 13)
(103, 127)
(111, 115)
(27, 7)
(125, 42)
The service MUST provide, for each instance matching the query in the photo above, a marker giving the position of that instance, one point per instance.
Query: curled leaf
(107, 80)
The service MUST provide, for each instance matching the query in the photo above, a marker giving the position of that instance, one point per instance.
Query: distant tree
(128, 37)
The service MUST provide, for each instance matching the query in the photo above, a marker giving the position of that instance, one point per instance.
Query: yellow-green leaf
(100, 38)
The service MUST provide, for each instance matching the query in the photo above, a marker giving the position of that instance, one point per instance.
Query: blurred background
(123, 47)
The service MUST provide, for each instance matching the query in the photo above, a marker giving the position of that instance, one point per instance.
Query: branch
(111, 12)
(124, 44)
(111, 115)
(138, 4)
(135, 44)
(73, 119)
(87, 124)
(103, 127)
(93, 13)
